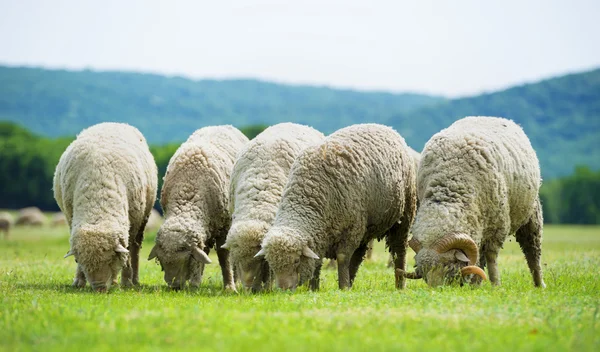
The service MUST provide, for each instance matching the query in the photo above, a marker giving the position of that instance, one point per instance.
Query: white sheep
(194, 198)
(105, 184)
(478, 183)
(6, 222)
(32, 216)
(154, 220)
(358, 184)
(58, 219)
(259, 175)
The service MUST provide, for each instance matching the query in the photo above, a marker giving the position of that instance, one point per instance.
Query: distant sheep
(357, 185)
(194, 198)
(259, 176)
(31, 216)
(478, 183)
(154, 220)
(58, 219)
(6, 222)
(105, 184)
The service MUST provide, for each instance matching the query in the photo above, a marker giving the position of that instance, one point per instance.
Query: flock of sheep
(274, 207)
(30, 216)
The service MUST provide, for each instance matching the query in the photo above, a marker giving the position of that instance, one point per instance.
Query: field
(40, 311)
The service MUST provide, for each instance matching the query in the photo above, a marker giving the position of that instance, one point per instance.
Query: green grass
(40, 311)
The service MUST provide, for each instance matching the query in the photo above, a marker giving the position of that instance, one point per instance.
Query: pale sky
(452, 48)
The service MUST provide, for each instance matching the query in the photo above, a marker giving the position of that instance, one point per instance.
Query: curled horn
(415, 244)
(472, 269)
(458, 241)
(260, 253)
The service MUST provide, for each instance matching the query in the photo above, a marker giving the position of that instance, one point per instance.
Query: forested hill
(561, 116)
(167, 109)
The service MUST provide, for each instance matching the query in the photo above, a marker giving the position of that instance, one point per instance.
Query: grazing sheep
(478, 183)
(259, 175)
(31, 216)
(357, 185)
(58, 219)
(105, 184)
(416, 157)
(6, 221)
(154, 220)
(194, 198)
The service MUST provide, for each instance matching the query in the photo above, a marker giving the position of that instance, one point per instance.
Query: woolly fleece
(259, 176)
(194, 198)
(105, 184)
(354, 186)
(480, 177)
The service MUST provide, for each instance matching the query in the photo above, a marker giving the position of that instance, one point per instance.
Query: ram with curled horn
(478, 183)
(448, 258)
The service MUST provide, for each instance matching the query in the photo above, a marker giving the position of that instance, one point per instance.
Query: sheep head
(447, 259)
(99, 256)
(178, 257)
(243, 242)
(289, 256)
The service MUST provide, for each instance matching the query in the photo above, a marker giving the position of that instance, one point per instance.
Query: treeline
(27, 164)
(574, 199)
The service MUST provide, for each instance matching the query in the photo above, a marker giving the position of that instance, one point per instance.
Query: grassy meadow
(40, 311)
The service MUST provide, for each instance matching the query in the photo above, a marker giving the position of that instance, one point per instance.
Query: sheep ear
(69, 253)
(307, 252)
(121, 249)
(260, 253)
(458, 254)
(200, 256)
(152, 253)
(225, 246)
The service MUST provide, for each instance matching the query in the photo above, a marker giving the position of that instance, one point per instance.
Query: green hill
(561, 116)
(168, 109)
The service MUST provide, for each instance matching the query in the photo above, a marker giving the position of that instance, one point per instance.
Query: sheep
(259, 175)
(105, 184)
(154, 220)
(32, 216)
(358, 184)
(416, 157)
(58, 219)
(478, 183)
(6, 222)
(194, 198)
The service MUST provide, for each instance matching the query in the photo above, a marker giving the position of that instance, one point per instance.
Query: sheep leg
(265, 273)
(369, 254)
(529, 237)
(357, 258)
(482, 260)
(263, 279)
(115, 274)
(397, 240)
(343, 263)
(315, 281)
(135, 256)
(226, 270)
(490, 258)
(79, 280)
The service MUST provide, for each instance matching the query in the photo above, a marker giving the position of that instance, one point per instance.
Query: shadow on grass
(208, 290)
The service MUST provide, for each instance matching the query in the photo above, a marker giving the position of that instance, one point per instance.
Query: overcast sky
(454, 48)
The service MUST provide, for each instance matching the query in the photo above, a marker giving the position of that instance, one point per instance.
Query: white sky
(454, 48)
